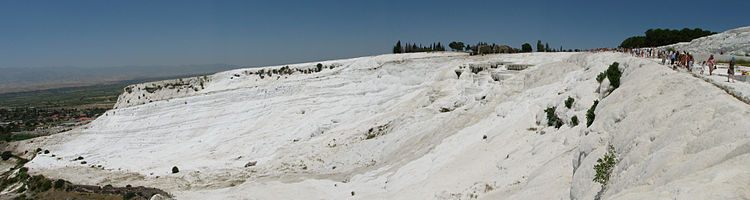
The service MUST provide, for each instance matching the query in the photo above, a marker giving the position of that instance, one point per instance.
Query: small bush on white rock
(614, 74)
(590, 115)
(574, 120)
(605, 166)
(569, 102)
(600, 77)
(552, 119)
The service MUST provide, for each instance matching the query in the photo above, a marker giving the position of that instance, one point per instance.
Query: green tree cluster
(544, 47)
(410, 48)
(457, 46)
(526, 47)
(661, 37)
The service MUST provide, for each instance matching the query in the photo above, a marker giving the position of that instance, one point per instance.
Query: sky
(259, 33)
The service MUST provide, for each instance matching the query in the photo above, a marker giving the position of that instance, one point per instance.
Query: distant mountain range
(39, 78)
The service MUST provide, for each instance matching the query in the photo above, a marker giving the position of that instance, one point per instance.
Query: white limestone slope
(731, 42)
(405, 127)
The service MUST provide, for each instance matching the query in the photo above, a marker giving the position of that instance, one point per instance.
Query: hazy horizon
(41, 78)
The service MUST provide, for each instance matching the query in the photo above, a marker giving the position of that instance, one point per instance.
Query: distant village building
(502, 49)
(484, 49)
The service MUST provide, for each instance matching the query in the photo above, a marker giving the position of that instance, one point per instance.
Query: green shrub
(23, 176)
(21, 161)
(590, 114)
(22, 136)
(600, 77)
(21, 190)
(39, 183)
(6, 155)
(552, 119)
(59, 183)
(605, 166)
(46, 185)
(614, 74)
(175, 170)
(128, 196)
(574, 120)
(7, 182)
(23, 173)
(569, 102)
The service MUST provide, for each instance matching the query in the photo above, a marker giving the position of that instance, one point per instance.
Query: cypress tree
(539, 46)
(398, 48)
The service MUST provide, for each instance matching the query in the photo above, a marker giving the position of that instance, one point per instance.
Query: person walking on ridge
(672, 57)
(730, 71)
(711, 65)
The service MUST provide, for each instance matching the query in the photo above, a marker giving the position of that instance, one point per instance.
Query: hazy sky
(113, 33)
